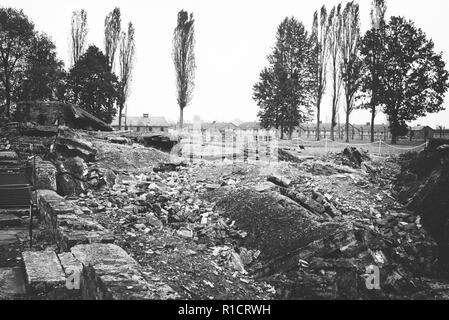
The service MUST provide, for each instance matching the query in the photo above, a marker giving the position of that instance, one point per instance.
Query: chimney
(146, 115)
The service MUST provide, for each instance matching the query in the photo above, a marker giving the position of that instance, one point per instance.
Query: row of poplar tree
(392, 68)
(31, 71)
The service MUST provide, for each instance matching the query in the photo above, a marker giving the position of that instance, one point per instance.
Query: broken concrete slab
(280, 181)
(97, 254)
(265, 186)
(274, 223)
(71, 144)
(12, 283)
(304, 201)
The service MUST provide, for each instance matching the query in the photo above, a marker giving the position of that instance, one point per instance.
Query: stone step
(45, 275)
(19, 212)
(10, 236)
(8, 155)
(12, 283)
(9, 220)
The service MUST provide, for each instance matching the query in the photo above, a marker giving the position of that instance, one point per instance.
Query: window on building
(162, 129)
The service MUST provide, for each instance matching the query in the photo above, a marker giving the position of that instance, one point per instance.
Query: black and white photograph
(223, 156)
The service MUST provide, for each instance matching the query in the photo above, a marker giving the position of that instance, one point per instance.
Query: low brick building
(142, 124)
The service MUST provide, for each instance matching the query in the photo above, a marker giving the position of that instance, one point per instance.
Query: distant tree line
(30, 69)
(392, 68)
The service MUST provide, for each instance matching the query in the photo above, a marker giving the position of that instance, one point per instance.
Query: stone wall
(106, 271)
(67, 223)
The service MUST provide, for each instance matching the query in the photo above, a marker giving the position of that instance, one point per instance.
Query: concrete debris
(280, 181)
(142, 226)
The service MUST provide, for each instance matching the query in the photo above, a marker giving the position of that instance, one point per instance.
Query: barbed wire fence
(262, 146)
(379, 148)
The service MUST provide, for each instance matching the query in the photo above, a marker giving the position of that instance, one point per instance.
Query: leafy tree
(335, 38)
(16, 38)
(44, 72)
(112, 32)
(371, 45)
(266, 97)
(413, 78)
(78, 34)
(284, 92)
(319, 61)
(351, 64)
(127, 56)
(184, 60)
(92, 86)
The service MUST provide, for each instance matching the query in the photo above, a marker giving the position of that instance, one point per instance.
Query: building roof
(143, 122)
(250, 126)
(420, 128)
(218, 125)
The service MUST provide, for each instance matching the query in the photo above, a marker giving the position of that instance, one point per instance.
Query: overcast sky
(233, 38)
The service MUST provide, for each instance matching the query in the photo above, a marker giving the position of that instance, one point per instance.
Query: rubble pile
(128, 157)
(162, 215)
(304, 228)
(423, 186)
(324, 228)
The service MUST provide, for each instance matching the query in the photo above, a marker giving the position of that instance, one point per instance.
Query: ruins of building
(56, 114)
